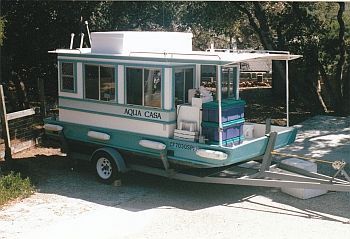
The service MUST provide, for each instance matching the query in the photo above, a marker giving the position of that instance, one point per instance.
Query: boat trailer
(260, 172)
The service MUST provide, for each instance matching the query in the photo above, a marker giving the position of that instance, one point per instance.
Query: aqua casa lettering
(153, 115)
(132, 112)
(146, 114)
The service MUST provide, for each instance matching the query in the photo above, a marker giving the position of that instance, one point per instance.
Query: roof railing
(247, 51)
(173, 53)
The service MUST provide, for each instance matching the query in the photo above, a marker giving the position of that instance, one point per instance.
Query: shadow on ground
(53, 175)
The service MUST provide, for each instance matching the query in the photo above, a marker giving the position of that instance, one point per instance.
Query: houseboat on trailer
(147, 98)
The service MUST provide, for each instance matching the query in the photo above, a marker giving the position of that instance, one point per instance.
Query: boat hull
(177, 152)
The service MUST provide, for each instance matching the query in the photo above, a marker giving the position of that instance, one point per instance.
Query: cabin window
(152, 87)
(107, 83)
(143, 86)
(99, 82)
(208, 78)
(91, 82)
(134, 86)
(183, 82)
(228, 80)
(67, 77)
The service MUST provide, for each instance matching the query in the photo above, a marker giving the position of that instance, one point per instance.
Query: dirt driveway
(72, 204)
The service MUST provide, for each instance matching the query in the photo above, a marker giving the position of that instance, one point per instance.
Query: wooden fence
(20, 130)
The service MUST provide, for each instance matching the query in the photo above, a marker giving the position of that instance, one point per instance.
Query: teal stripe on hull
(182, 152)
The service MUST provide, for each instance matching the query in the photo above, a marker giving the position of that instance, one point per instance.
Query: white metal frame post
(237, 81)
(218, 95)
(197, 78)
(287, 91)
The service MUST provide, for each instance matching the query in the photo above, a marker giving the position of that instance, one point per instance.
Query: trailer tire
(106, 169)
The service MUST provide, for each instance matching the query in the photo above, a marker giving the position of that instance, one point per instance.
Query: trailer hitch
(339, 165)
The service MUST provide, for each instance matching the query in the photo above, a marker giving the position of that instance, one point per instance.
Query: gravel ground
(72, 204)
(323, 137)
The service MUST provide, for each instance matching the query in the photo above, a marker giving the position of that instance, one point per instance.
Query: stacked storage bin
(232, 121)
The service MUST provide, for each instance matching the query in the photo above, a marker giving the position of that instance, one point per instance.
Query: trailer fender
(118, 159)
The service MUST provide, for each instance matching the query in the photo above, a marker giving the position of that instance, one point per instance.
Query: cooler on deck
(231, 129)
(232, 122)
(231, 110)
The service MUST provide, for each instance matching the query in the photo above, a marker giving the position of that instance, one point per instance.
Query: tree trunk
(264, 28)
(278, 67)
(346, 92)
(339, 81)
(328, 91)
(264, 32)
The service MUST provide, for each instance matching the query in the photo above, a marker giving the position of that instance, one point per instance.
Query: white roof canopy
(198, 57)
(227, 58)
(248, 57)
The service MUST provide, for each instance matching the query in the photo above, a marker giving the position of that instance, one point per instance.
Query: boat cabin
(138, 81)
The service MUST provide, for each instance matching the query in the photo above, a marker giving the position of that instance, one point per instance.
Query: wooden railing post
(5, 126)
(42, 97)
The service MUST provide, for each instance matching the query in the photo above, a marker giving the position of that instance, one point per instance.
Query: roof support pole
(237, 82)
(287, 92)
(218, 95)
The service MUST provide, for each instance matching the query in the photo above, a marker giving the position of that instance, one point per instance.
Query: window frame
(183, 69)
(61, 75)
(143, 68)
(115, 75)
(233, 81)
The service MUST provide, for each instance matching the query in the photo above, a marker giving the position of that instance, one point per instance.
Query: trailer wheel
(106, 169)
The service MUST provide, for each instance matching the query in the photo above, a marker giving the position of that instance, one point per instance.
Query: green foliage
(221, 23)
(35, 27)
(308, 29)
(146, 16)
(12, 186)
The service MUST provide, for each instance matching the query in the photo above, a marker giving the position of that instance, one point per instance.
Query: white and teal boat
(147, 98)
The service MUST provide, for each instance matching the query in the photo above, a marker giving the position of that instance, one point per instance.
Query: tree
(33, 28)
(301, 28)
(259, 20)
(220, 23)
(334, 46)
(318, 31)
(341, 79)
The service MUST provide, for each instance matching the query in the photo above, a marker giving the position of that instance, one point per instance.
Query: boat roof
(164, 47)
(219, 57)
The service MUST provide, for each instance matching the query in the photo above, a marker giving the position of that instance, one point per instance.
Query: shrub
(13, 186)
